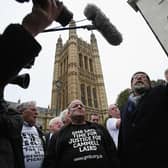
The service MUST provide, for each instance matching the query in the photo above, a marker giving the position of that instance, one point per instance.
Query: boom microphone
(102, 24)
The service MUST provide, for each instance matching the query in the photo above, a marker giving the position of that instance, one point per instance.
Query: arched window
(86, 63)
(89, 96)
(91, 65)
(95, 98)
(80, 61)
(83, 95)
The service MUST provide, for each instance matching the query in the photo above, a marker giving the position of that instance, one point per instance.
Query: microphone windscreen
(103, 24)
(90, 11)
(107, 29)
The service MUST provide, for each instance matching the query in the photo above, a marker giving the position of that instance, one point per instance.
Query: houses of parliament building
(78, 75)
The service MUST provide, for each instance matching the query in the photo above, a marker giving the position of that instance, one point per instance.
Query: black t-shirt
(81, 146)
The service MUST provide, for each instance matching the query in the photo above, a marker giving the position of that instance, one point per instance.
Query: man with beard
(142, 138)
(81, 144)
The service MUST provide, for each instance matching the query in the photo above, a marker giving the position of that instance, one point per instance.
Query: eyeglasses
(77, 105)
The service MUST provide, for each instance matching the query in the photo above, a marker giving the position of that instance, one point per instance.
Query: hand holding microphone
(98, 18)
(102, 24)
(41, 17)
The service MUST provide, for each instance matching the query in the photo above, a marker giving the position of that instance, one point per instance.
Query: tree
(159, 82)
(123, 97)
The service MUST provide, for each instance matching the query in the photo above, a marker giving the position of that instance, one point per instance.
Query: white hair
(21, 107)
(63, 114)
(53, 120)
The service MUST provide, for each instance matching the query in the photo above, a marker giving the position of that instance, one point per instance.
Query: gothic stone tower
(78, 75)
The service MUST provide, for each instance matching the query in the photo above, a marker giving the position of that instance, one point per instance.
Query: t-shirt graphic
(32, 147)
(82, 147)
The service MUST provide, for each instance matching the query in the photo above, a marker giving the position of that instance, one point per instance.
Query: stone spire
(72, 32)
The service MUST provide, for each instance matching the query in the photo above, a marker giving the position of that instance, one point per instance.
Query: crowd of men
(126, 138)
(132, 137)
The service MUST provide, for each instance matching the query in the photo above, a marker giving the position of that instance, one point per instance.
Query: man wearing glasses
(81, 144)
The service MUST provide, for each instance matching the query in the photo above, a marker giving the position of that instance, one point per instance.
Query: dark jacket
(142, 139)
(42, 137)
(47, 138)
(11, 155)
(18, 48)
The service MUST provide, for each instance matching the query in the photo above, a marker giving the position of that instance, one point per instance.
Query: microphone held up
(102, 24)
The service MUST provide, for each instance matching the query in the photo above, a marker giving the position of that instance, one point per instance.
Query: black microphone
(102, 24)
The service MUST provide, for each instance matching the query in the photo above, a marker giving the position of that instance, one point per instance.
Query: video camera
(65, 16)
(21, 80)
(64, 19)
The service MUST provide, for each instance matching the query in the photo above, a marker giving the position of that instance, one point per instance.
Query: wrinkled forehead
(29, 107)
(94, 116)
(75, 102)
(57, 121)
(112, 106)
(139, 75)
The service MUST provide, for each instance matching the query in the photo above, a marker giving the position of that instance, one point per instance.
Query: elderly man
(55, 125)
(65, 117)
(33, 140)
(142, 138)
(81, 144)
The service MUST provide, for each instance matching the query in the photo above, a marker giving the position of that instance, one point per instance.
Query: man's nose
(140, 77)
(79, 106)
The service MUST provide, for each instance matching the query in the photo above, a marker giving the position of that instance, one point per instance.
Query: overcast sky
(139, 51)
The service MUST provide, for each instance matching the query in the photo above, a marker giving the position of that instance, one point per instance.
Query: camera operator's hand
(41, 17)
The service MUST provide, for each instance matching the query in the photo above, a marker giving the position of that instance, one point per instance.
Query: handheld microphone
(102, 24)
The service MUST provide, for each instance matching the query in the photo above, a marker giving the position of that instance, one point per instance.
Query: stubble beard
(78, 119)
(140, 89)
